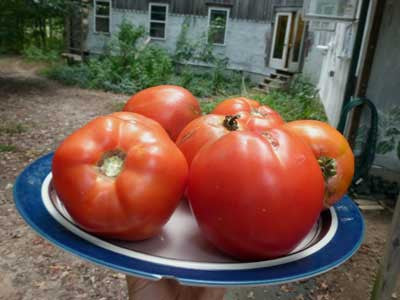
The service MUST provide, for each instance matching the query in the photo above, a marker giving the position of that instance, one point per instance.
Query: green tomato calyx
(328, 166)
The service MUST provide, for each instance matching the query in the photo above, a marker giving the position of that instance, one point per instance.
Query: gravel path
(36, 115)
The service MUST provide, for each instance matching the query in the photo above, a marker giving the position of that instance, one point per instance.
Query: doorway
(287, 41)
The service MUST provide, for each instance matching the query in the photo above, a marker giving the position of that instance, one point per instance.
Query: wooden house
(257, 36)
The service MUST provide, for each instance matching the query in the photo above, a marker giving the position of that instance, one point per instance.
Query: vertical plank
(386, 280)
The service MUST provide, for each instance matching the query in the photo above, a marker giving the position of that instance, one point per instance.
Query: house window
(158, 20)
(217, 24)
(102, 10)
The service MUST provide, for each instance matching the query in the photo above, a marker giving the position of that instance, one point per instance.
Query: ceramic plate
(180, 251)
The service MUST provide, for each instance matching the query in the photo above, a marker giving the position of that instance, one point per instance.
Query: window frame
(166, 5)
(227, 10)
(95, 16)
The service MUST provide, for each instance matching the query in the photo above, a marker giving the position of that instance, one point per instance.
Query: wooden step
(283, 72)
(277, 80)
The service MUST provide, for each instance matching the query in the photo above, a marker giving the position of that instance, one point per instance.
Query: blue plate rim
(185, 276)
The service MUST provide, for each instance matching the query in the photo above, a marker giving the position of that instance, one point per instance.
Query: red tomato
(256, 196)
(261, 119)
(172, 106)
(203, 130)
(257, 118)
(120, 176)
(235, 105)
(333, 153)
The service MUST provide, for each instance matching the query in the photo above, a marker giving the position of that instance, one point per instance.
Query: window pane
(158, 13)
(102, 8)
(217, 35)
(218, 16)
(102, 25)
(280, 36)
(157, 30)
(217, 26)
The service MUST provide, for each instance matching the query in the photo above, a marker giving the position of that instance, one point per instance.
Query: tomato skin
(235, 105)
(257, 118)
(261, 119)
(201, 131)
(256, 196)
(172, 106)
(326, 141)
(136, 203)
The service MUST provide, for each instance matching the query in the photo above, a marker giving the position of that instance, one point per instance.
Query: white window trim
(95, 16)
(166, 5)
(227, 21)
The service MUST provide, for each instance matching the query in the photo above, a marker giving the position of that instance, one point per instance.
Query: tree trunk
(67, 32)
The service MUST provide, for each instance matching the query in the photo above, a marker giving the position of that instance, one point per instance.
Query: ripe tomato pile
(256, 185)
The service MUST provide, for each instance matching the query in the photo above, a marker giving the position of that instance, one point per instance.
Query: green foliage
(388, 131)
(127, 66)
(24, 23)
(34, 53)
(7, 148)
(12, 128)
(130, 64)
(299, 102)
(385, 146)
(217, 80)
(196, 50)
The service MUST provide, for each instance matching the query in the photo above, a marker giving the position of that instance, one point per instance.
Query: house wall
(257, 10)
(314, 56)
(334, 70)
(384, 84)
(246, 41)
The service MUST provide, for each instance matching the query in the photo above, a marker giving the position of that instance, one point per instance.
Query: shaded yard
(36, 114)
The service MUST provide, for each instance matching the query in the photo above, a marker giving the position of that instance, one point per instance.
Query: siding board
(257, 10)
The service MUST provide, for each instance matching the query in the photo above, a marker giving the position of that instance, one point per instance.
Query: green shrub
(7, 148)
(34, 53)
(300, 101)
(128, 65)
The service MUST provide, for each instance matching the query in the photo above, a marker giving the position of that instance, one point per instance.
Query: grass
(12, 128)
(291, 105)
(7, 148)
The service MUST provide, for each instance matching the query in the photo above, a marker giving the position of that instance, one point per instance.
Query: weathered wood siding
(258, 10)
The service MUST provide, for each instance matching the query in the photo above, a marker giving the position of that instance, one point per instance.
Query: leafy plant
(12, 128)
(7, 148)
(128, 64)
(388, 131)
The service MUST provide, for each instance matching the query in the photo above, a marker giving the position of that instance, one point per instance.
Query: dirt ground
(35, 115)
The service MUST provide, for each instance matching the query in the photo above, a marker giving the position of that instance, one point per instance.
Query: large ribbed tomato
(203, 130)
(261, 119)
(235, 105)
(257, 118)
(172, 106)
(256, 196)
(333, 153)
(120, 176)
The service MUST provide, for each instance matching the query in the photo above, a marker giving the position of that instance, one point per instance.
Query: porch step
(283, 72)
(279, 80)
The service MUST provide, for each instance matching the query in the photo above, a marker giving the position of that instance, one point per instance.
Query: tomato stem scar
(111, 163)
(230, 122)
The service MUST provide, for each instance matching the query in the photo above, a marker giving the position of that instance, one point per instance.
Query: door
(280, 40)
(287, 41)
(296, 44)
